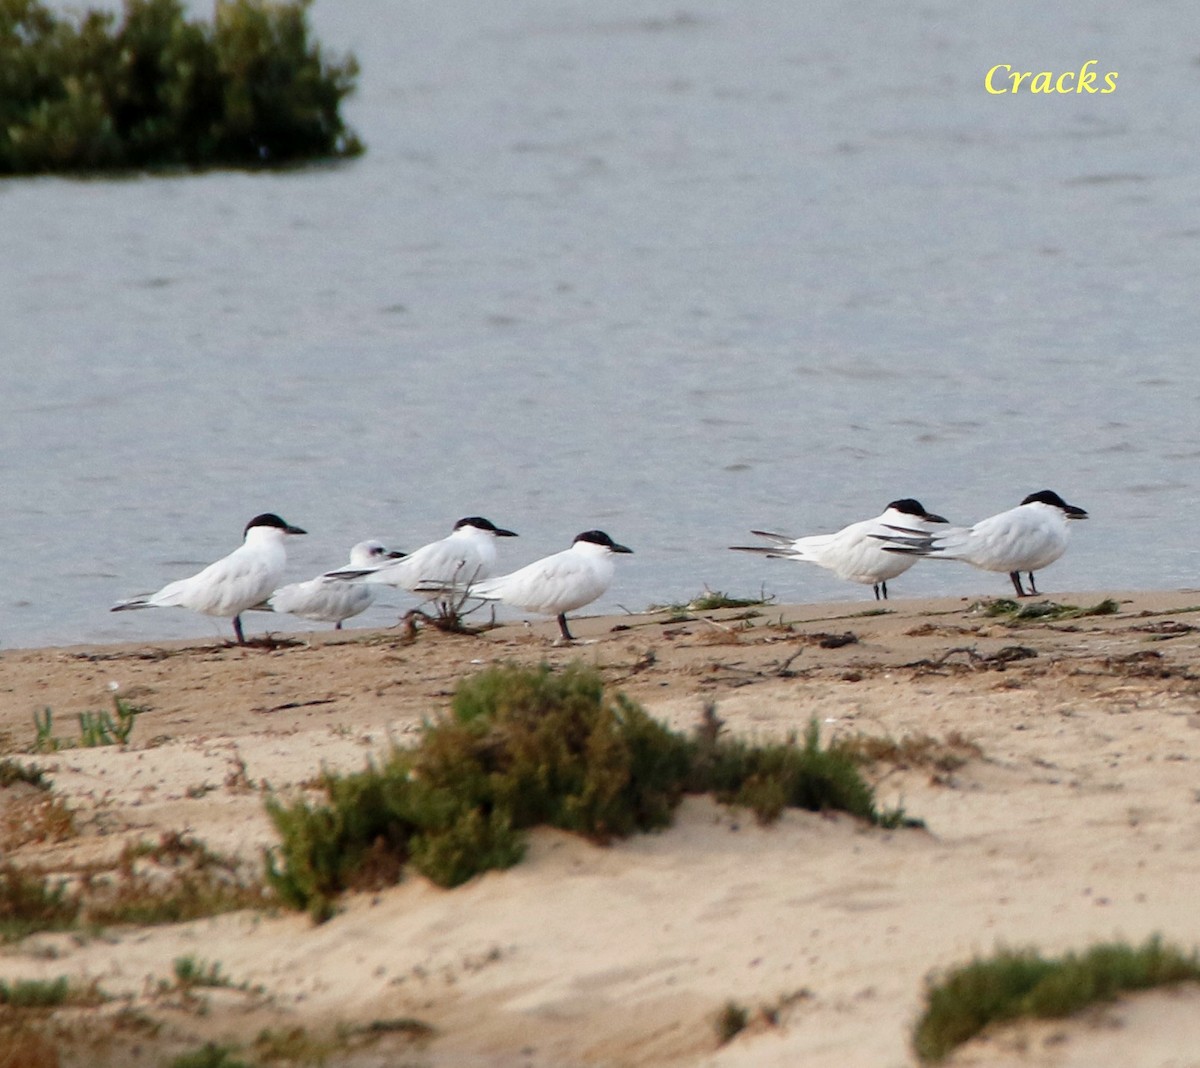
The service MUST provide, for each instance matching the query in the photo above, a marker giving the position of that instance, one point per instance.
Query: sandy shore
(1074, 816)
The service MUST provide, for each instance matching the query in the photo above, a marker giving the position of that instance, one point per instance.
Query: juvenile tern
(233, 584)
(854, 552)
(328, 600)
(1026, 538)
(558, 584)
(466, 554)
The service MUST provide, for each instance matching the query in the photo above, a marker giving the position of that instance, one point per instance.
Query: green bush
(1022, 983)
(523, 747)
(87, 93)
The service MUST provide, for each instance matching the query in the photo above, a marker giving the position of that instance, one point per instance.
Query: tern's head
(909, 506)
(268, 522)
(366, 553)
(1055, 501)
(485, 526)
(598, 541)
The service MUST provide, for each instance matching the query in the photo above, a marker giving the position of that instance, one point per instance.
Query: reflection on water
(674, 273)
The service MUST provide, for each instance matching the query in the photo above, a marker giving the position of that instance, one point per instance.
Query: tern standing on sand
(558, 584)
(235, 583)
(1026, 538)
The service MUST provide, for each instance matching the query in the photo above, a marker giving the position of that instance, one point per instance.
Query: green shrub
(86, 92)
(1022, 983)
(523, 747)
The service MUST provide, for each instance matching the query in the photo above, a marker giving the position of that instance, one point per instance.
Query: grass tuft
(1022, 983)
(523, 747)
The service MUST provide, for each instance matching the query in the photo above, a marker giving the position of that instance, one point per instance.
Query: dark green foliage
(524, 747)
(1021, 983)
(770, 778)
(87, 93)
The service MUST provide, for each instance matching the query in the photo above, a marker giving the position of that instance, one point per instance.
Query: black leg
(339, 625)
(1032, 587)
(562, 625)
(883, 586)
(1016, 581)
(237, 629)
(876, 589)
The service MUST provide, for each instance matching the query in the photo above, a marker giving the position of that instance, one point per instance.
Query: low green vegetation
(30, 902)
(176, 879)
(712, 601)
(12, 772)
(523, 747)
(95, 728)
(192, 971)
(1022, 983)
(208, 1056)
(90, 91)
(1042, 611)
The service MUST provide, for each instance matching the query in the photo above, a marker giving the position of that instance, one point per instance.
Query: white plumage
(558, 584)
(465, 555)
(329, 600)
(233, 584)
(1026, 538)
(854, 553)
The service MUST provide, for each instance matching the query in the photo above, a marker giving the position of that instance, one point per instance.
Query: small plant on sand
(30, 902)
(208, 1056)
(1041, 611)
(95, 728)
(731, 1021)
(919, 750)
(191, 971)
(1022, 983)
(523, 747)
(175, 879)
(12, 772)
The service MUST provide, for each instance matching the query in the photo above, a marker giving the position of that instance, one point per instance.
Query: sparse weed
(1040, 611)
(711, 601)
(29, 902)
(918, 750)
(174, 880)
(95, 728)
(208, 1056)
(34, 993)
(178, 878)
(47, 993)
(12, 772)
(1022, 983)
(191, 972)
(524, 747)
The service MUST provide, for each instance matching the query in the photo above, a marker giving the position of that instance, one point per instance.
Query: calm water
(671, 270)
